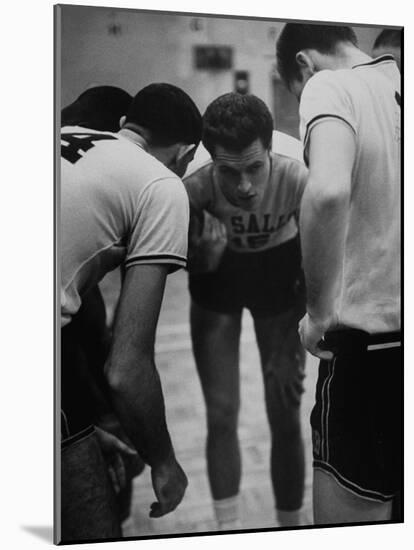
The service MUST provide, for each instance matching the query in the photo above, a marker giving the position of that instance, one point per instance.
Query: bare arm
(206, 243)
(135, 384)
(323, 219)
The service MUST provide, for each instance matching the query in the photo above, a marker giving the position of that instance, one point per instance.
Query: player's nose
(245, 186)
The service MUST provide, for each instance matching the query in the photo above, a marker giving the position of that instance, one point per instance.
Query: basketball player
(389, 42)
(85, 342)
(350, 233)
(122, 202)
(247, 255)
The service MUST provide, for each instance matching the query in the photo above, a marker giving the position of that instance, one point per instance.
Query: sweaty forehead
(253, 152)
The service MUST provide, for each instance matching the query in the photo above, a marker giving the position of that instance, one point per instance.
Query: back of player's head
(234, 121)
(99, 108)
(296, 37)
(167, 113)
(388, 38)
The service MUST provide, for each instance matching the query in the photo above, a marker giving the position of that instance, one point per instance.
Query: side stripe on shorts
(325, 397)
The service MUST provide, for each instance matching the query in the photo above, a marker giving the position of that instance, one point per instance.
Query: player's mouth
(247, 200)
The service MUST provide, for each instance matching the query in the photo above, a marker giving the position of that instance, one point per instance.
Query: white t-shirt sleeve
(324, 97)
(160, 228)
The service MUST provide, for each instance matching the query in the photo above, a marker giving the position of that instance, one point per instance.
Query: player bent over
(351, 242)
(249, 258)
(122, 203)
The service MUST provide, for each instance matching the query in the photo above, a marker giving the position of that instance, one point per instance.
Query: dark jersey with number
(273, 221)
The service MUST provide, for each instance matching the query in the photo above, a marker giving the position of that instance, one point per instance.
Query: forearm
(323, 232)
(138, 401)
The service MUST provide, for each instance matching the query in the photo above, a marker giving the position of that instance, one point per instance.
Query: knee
(222, 418)
(286, 425)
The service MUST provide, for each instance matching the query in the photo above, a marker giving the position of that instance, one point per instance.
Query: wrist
(164, 463)
(319, 322)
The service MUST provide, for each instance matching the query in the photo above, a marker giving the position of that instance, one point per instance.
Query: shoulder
(326, 78)
(287, 170)
(200, 164)
(198, 179)
(328, 86)
(164, 184)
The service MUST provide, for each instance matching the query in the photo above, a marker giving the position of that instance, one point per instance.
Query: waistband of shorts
(77, 437)
(293, 242)
(356, 339)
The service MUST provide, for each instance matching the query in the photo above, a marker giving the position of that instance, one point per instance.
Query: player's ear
(122, 121)
(304, 61)
(184, 154)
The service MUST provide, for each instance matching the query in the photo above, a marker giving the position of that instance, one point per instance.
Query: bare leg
(216, 339)
(334, 504)
(283, 360)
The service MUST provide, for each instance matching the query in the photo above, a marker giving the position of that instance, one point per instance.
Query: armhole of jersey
(312, 123)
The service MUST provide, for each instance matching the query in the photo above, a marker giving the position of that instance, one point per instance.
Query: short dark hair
(234, 121)
(388, 37)
(296, 37)
(168, 113)
(99, 108)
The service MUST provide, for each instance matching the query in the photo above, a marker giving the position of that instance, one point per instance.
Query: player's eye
(227, 171)
(254, 168)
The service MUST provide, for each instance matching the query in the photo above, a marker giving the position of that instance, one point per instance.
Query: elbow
(327, 196)
(122, 375)
(115, 377)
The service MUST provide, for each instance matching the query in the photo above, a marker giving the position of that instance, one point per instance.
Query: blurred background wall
(131, 49)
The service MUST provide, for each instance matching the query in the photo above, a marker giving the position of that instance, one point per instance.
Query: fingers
(155, 510)
(117, 473)
(159, 509)
(214, 233)
(317, 351)
(213, 229)
(207, 225)
(311, 338)
(119, 467)
(169, 486)
(222, 231)
(114, 479)
(125, 449)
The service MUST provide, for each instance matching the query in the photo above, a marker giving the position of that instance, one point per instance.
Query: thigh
(88, 505)
(220, 290)
(332, 503)
(283, 363)
(274, 282)
(77, 399)
(216, 340)
(353, 439)
(277, 336)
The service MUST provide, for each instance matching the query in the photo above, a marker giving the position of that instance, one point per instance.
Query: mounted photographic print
(228, 231)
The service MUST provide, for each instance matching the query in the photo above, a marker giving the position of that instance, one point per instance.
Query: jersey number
(72, 145)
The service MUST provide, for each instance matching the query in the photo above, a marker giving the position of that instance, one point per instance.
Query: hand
(169, 482)
(113, 450)
(311, 336)
(212, 242)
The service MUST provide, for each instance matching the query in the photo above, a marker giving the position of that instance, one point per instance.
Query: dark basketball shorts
(267, 283)
(357, 420)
